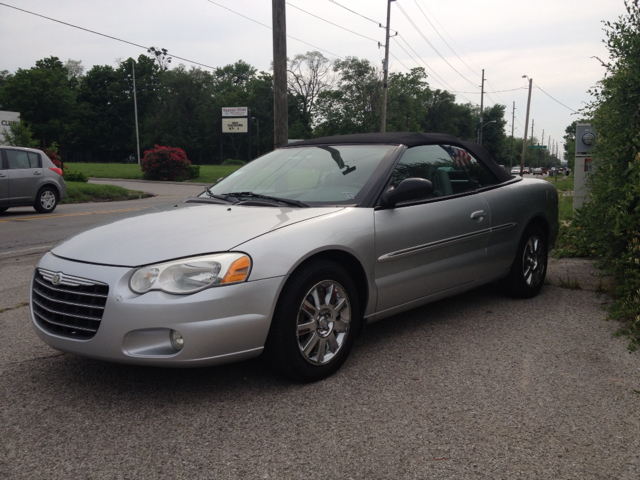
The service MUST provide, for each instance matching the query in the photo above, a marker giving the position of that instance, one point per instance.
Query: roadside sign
(533, 147)
(235, 111)
(235, 125)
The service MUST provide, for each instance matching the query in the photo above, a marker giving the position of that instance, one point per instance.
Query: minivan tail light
(56, 169)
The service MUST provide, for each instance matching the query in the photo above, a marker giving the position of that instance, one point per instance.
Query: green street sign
(532, 147)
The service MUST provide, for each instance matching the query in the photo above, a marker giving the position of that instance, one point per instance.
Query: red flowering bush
(165, 163)
(52, 153)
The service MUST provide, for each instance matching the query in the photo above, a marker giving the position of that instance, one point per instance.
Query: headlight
(191, 274)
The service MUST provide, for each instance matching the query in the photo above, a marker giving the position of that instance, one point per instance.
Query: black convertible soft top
(410, 139)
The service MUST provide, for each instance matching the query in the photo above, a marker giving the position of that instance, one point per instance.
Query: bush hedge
(165, 163)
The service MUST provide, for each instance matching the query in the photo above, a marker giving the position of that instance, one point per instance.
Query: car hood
(179, 231)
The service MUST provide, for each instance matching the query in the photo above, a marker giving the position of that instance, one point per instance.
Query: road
(24, 230)
(478, 386)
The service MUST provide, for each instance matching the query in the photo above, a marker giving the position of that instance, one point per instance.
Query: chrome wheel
(324, 319)
(533, 261)
(48, 200)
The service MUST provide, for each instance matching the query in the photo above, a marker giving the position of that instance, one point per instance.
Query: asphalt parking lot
(477, 386)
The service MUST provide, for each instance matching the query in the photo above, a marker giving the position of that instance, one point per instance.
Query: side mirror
(409, 189)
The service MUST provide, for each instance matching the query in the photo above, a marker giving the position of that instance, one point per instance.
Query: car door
(427, 247)
(4, 182)
(25, 174)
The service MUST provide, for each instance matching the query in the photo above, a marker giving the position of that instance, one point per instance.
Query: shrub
(193, 171)
(52, 153)
(233, 161)
(75, 177)
(165, 163)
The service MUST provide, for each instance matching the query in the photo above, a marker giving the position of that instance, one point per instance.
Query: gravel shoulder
(476, 386)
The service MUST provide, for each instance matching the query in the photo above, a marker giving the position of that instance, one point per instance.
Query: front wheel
(530, 265)
(315, 322)
(46, 200)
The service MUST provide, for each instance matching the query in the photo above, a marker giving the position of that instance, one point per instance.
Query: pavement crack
(20, 305)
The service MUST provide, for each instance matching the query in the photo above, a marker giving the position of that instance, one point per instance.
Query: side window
(34, 160)
(451, 169)
(17, 159)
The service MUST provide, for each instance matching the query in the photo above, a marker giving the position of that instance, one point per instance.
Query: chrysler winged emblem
(57, 278)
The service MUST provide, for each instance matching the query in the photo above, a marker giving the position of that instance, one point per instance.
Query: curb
(132, 180)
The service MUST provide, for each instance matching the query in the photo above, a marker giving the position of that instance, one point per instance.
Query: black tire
(46, 200)
(529, 268)
(328, 334)
(3, 209)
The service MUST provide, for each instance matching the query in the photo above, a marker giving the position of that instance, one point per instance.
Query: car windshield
(311, 175)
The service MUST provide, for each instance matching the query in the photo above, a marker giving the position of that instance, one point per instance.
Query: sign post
(235, 120)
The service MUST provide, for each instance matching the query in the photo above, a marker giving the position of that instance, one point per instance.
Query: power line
(353, 11)
(102, 34)
(558, 101)
(442, 81)
(430, 44)
(267, 26)
(450, 37)
(398, 60)
(331, 23)
(417, 62)
(443, 39)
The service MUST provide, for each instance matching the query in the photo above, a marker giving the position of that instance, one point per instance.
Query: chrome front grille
(66, 305)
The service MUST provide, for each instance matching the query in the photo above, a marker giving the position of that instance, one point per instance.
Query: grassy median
(79, 192)
(208, 173)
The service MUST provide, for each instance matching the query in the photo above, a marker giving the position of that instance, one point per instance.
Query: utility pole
(526, 126)
(135, 106)
(531, 156)
(280, 107)
(481, 108)
(541, 143)
(385, 69)
(513, 119)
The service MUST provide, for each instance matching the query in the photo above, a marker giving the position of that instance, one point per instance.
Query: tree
(354, 105)
(493, 136)
(446, 116)
(609, 222)
(407, 101)
(44, 98)
(19, 135)
(75, 69)
(161, 56)
(309, 75)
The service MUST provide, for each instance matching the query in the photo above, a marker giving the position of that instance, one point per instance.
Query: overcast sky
(552, 41)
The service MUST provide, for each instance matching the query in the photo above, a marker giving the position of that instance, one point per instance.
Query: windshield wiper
(224, 197)
(286, 201)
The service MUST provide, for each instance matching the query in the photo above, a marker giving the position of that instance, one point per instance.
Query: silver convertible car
(293, 253)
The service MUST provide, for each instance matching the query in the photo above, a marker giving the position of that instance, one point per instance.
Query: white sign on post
(235, 111)
(234, 125)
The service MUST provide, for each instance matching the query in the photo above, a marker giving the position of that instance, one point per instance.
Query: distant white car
(515, 171)
(538, 171)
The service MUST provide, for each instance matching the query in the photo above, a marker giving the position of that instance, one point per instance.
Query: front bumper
(218, 325)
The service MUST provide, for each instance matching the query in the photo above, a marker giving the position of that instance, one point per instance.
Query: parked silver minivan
(29, 178)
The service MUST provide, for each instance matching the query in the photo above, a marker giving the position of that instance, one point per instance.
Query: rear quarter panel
(513, 207)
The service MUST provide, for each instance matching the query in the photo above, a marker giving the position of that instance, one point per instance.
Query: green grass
(564, 185)
(208, 173)
(211, 173)
(78, 192)
(107, 170)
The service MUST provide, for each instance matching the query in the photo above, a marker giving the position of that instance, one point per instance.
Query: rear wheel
(46, 200)
(529, 268)
(315, 322)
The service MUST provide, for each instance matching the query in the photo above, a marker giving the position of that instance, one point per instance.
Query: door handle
(478, 214)
(37, 173)
(2, 174)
